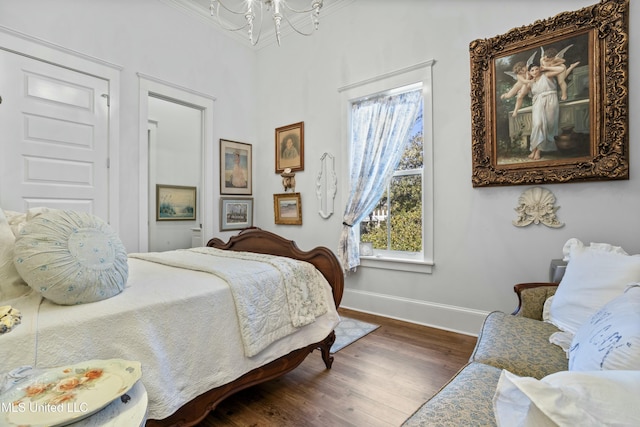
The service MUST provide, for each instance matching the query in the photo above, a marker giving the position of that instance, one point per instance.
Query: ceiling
(200, 9)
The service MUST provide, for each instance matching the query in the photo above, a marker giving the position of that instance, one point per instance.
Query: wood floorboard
(378, 381)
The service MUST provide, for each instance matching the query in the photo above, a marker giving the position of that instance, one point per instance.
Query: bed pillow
(568, 398)
(610, 339)
(595, 275)
(16, 220)
(71, 257)
(11, 284)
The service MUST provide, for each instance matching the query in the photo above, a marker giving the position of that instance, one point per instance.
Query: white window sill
(387, 263)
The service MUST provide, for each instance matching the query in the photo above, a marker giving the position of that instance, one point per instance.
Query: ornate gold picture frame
(561, 119)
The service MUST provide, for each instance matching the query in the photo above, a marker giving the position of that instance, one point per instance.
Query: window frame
(419, 76)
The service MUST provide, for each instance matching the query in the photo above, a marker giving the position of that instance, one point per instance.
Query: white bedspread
(273, 295)
(180, 324)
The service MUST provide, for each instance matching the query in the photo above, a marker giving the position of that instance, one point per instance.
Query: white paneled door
(54, 134)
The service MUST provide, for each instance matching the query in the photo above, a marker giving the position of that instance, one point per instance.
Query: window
(400, 227)
(395, 224)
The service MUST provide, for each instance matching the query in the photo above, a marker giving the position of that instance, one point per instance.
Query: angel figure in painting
(545, 109)
(552, 58)
(520, 73)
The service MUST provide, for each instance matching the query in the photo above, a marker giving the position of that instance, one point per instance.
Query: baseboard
(451, 318)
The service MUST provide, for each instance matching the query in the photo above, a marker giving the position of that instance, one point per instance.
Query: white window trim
(417, 74)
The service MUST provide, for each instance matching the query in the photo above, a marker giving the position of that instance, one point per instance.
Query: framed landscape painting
(175, 203)
(545, 105)
(287, 208)
(235, 213)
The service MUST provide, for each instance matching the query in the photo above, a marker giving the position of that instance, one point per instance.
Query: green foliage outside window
(401, 205)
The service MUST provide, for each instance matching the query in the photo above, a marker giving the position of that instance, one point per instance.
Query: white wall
(479, 254)
(157, 40)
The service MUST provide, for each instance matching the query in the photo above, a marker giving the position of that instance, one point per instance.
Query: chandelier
(279, 9)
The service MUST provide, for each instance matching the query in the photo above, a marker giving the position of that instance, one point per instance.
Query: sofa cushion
(610, 339)
(519, 345)
(533, 301)
(467, 399)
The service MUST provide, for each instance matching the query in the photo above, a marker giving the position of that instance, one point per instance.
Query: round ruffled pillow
(71, 257)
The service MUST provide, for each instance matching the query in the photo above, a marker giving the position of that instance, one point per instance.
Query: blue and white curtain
(380, 128)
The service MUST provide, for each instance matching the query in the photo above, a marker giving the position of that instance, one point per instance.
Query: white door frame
(162, 89)
(23, 44)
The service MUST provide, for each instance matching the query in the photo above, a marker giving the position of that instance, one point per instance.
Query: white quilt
(273, 295)
(180, 324)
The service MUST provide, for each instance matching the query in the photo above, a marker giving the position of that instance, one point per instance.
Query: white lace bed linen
(180, 324)
(273, 295)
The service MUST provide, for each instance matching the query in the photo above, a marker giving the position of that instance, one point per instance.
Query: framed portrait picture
(287, 208)
(175, 203)
(235, 167)
(235, 213)
(545, 108)
(290, 147)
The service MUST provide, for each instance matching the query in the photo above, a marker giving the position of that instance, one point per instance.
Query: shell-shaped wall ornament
(537, 206)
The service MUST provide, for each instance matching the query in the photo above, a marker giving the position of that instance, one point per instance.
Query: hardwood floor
(379, 380)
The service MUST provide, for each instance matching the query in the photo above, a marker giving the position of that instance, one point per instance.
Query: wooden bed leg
(325, 348)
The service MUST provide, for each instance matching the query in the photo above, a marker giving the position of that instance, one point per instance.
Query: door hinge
(106, 96)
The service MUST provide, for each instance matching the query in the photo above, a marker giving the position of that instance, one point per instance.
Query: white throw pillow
(16, 220)
(71, 257)
(595, 275)
(610, 339)
(566, 398)
(11, 284)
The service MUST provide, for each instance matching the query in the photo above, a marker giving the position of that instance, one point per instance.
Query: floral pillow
(71, 257)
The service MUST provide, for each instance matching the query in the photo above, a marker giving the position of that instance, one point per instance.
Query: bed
(181, 324)
(260, 241)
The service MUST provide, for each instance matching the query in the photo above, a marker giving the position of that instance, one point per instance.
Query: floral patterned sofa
(517, 342)
(569, 355)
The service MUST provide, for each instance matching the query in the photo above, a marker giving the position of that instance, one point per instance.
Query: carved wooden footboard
(260, 241)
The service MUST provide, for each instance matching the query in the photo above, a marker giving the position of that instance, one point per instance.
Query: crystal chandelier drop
(279, 9)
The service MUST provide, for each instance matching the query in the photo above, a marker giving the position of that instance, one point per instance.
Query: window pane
(374, 228)
(413, 154)
(406, 213)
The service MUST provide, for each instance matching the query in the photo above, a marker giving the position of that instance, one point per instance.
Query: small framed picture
(235, 167)
(175, 203)
(290, 148)
(287, 208)
(235, 213)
